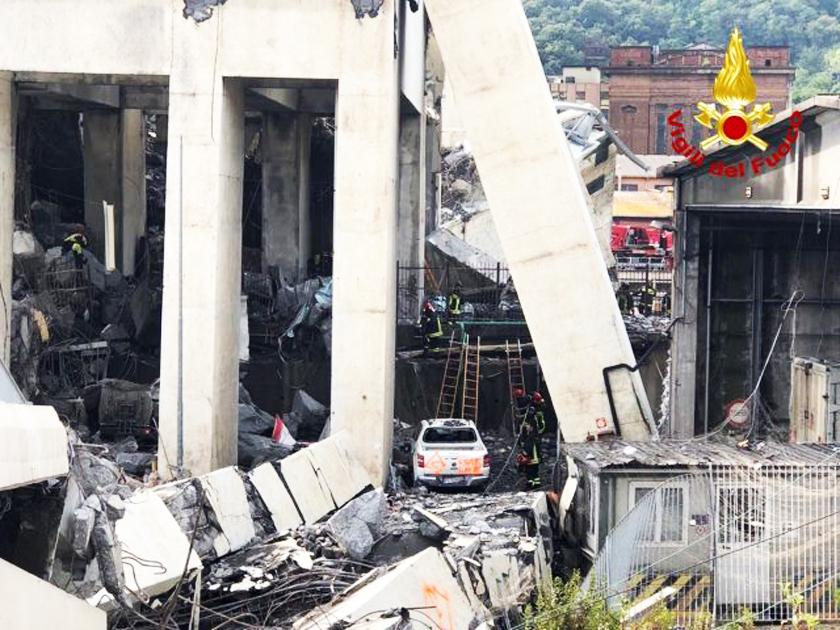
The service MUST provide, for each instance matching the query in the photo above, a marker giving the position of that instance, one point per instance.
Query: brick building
(646, 85)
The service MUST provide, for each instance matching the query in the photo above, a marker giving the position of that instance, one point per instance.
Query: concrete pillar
(411, 228)
(364, 292)
(131, 221)
(684, 333)
(103, 174)
(202, 259)
(539, 206)
(285, 170)
(7, 206)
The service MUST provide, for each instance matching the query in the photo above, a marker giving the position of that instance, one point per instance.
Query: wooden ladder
(516, 380)
(451, 376)
(472, 375)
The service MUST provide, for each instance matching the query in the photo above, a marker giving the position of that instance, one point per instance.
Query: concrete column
(684, 333)
(131, 222)
(364, 294)
(411, 229)
(539, 206)
(285, 170)
(202, 264)
(103, 174)
(7, 206)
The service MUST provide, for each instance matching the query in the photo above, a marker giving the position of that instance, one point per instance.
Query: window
(630, 187)
(768, 62)
(595, 185)
(661, 128)
(664, 512)
(442, 435)
(581, 95)
(602, 153)
(570, 79)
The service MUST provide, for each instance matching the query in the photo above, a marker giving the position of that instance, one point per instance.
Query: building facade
(581, 84)
(752, 283)
(646, 85)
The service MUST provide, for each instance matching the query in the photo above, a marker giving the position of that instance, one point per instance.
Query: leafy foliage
(564, 605)
(562, 28)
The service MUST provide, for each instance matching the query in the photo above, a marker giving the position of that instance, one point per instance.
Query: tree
(561, 28)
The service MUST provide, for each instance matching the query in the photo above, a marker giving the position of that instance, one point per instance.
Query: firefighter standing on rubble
(625, 299)
(76, 242)
(648, 296)
(430, 325)
(533, 426)
(454, 303)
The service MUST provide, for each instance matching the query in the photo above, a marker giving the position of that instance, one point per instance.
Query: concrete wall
(540, 209)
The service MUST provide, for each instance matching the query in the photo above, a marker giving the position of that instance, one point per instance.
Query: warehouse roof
(617, 454)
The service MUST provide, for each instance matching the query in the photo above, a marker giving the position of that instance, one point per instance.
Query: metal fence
(713, 544)
(481, 288)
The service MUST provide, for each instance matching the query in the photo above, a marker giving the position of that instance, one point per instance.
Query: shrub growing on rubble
(563, 605)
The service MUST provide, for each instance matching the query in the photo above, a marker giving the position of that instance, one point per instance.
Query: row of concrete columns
(380, 197)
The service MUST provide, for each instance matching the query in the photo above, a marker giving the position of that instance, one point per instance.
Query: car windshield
(449, 435)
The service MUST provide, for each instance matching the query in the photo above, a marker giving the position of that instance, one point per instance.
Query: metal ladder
(472, 375)
(516, 380)
(451, 376)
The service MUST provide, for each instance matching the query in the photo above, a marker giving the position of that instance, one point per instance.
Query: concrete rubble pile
(462, 194)
(103, 551)
(483, 557)
(75, 326)
(646, 330)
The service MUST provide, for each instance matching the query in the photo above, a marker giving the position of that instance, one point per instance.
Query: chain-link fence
(710, 545)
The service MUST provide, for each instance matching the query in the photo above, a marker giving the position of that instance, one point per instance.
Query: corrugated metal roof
(683, 453)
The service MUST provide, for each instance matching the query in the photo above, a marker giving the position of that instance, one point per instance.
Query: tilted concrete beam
(539, 204)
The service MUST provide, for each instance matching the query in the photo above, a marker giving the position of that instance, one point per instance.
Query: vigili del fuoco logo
(734, 90)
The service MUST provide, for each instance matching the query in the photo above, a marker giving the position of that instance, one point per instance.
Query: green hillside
(810, 27)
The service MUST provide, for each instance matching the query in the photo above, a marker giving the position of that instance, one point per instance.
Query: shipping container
(814, 400)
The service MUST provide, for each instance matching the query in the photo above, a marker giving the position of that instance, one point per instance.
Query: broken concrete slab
(83, 520)
(431, 525)
(354, 469)
(421, 582)
(334, 472)
(357, 525)
(276, 497)
(33, 445)
(32, 604)
(503, 578)
(226, 493)
(148, 530)
(310, 495)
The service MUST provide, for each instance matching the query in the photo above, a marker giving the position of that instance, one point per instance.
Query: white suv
(450, 452)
